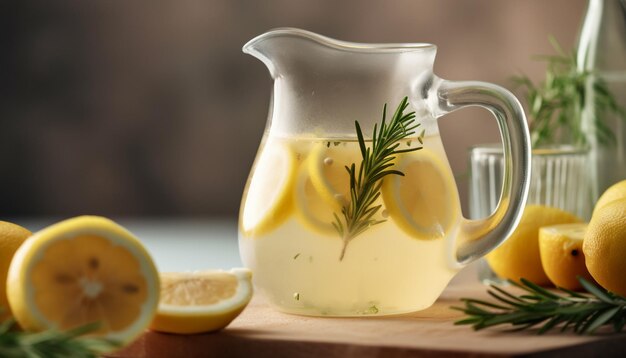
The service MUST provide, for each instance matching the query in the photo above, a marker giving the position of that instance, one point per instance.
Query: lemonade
(288, 239)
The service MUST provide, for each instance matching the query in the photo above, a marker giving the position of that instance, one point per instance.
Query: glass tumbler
(559, 178)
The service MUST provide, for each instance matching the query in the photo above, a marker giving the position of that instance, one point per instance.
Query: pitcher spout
(282, 45)
(318, 79)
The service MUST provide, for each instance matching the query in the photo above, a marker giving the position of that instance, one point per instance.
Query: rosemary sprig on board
(357, 215)
(51, 344)
(555, 105)
(547, 309)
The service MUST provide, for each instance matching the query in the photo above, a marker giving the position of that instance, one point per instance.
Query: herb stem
(555, 105)
(359, 213)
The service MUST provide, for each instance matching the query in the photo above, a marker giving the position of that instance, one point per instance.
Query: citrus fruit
(323, 184)
(327, 167)
(11, 237)
(562, 258)
(268, 200)
(614, 192)
(315, 212)
(84, 270)
(519, 255)
(424, 202)
(202, 301)
(605, 246)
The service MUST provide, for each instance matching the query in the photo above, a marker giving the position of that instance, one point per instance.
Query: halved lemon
(202, 301)
(323, 184)
(423, 202)
(561, 252)
(268, 200)
(519, 255)
(84, 270)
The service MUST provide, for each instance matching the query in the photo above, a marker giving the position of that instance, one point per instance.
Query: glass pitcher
(299, 201)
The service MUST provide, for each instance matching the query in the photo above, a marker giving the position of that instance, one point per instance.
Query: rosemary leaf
(582, 313)
(377, 160)
(555, 105)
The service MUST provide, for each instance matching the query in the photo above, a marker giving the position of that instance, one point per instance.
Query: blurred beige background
(149, 108)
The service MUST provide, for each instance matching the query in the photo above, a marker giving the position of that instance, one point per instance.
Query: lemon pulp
(201, 301)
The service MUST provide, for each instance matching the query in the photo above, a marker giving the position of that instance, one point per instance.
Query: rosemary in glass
(555, 106)
(546, 309)
(358, 214)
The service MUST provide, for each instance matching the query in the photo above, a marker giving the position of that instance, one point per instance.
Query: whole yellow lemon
(604, 246)
(614, 192)
(11, 237)
(519, 255)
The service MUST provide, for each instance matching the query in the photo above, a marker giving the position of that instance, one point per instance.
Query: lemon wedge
(84, 270)
(269, 194)
(562, 258)
(423, 202)
(202, 301)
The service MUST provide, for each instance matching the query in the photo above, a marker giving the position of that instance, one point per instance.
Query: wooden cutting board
(261, 331)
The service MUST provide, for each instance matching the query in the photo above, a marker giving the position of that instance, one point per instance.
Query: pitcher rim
(339, 44)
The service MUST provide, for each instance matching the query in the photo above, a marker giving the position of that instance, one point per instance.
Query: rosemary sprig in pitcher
(539, 307)
(357, 215)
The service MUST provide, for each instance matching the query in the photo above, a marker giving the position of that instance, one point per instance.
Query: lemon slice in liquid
(323, 184)
(269, 194)
(424, 202)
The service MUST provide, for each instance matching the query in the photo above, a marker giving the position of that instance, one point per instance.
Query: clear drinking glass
(559, 178)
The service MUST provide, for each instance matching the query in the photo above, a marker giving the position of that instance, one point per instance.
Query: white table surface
(178, 244)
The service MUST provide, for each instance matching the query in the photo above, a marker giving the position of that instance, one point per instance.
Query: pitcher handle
(478, 237)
